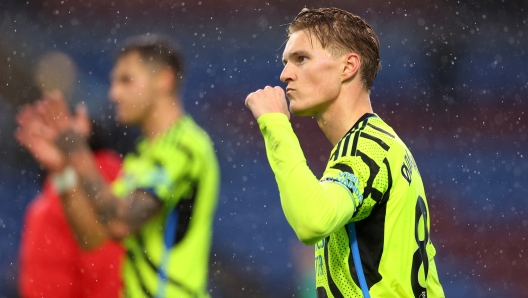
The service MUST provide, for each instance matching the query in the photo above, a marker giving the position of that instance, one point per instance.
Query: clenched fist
(267, 100)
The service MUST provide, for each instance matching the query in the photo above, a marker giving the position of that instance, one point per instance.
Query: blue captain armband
(149, 190)
(348, 180)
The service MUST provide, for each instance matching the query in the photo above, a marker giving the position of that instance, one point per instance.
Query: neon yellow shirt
(180, 168)
(371, 179)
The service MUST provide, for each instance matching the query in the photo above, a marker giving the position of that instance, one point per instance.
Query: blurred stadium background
(454, 85)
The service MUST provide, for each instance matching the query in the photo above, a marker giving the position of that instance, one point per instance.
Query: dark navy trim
(381, 130)
(331, 284)
(376, 140)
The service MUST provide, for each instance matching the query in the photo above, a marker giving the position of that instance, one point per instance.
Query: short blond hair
(340, 32)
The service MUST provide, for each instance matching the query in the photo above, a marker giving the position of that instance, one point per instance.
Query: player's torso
(390, 232)
(195, 194)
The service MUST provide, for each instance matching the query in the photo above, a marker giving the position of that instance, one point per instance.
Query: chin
(127, 122)
(122, 120)
(299, 111)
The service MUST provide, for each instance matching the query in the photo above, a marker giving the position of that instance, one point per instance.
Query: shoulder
(185, 146)
(195, 135)
(194, 140)
(375, 138)
(185, 135)
(371, 138)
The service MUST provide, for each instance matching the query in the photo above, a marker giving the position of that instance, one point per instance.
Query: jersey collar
(361, 119)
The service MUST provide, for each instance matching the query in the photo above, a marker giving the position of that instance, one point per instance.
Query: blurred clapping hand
(42, 124)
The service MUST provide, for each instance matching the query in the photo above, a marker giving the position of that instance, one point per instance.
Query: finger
(46, 132)
(81, 110)
(28, 119)
(19, 135)
(21, 114)
(82, 120)
(248, 99)
(23, 137)
(54, 108)
(48, 127)
(42, 111)
(59, 102)
(58, 116)
(24, 114)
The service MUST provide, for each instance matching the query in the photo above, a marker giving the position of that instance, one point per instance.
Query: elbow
(89, 242)
(116, 237)
(117, 231)
(310, 241)
(310, 234)
(95, 239)
(86, 246)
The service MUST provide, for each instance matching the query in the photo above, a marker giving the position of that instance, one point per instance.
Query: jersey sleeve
(362, 175)
(313, 209)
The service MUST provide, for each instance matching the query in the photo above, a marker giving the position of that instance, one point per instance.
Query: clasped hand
(42, 125)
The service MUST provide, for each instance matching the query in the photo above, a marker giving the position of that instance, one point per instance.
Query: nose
(112, 92)
(287, 73)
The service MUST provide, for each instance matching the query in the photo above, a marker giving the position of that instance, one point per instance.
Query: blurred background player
(52, 264)
(163, 202)
(368, 215)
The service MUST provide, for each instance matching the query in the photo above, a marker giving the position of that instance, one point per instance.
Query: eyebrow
(294, 54)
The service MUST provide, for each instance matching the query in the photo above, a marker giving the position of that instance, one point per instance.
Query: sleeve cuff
(271, 118)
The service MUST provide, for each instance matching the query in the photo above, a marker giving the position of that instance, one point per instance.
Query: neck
(343, 113)
(163, 114)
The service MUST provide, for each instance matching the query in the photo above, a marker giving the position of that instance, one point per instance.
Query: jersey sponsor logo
(319, 265)
(408, 167)
(319, 258)
(320, 244)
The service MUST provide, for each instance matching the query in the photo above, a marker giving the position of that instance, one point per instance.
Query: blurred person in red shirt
(52, 264)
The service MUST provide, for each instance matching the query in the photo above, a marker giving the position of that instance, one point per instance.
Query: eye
(302, 58)
(125, 79)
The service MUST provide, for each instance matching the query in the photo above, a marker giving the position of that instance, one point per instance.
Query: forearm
(314, 210)
(94, 188)
(90, 184)
(88, 230)
(79, 207)
(119, 217)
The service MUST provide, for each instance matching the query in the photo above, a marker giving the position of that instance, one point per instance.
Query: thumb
(81, 110)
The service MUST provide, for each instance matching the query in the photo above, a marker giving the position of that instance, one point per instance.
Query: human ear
(166, 81)
(351, 66)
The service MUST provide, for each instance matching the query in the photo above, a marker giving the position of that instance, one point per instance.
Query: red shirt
(51, 262)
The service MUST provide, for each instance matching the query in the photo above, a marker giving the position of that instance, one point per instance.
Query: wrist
(272, 118)
(70, 141)
(64, 181)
